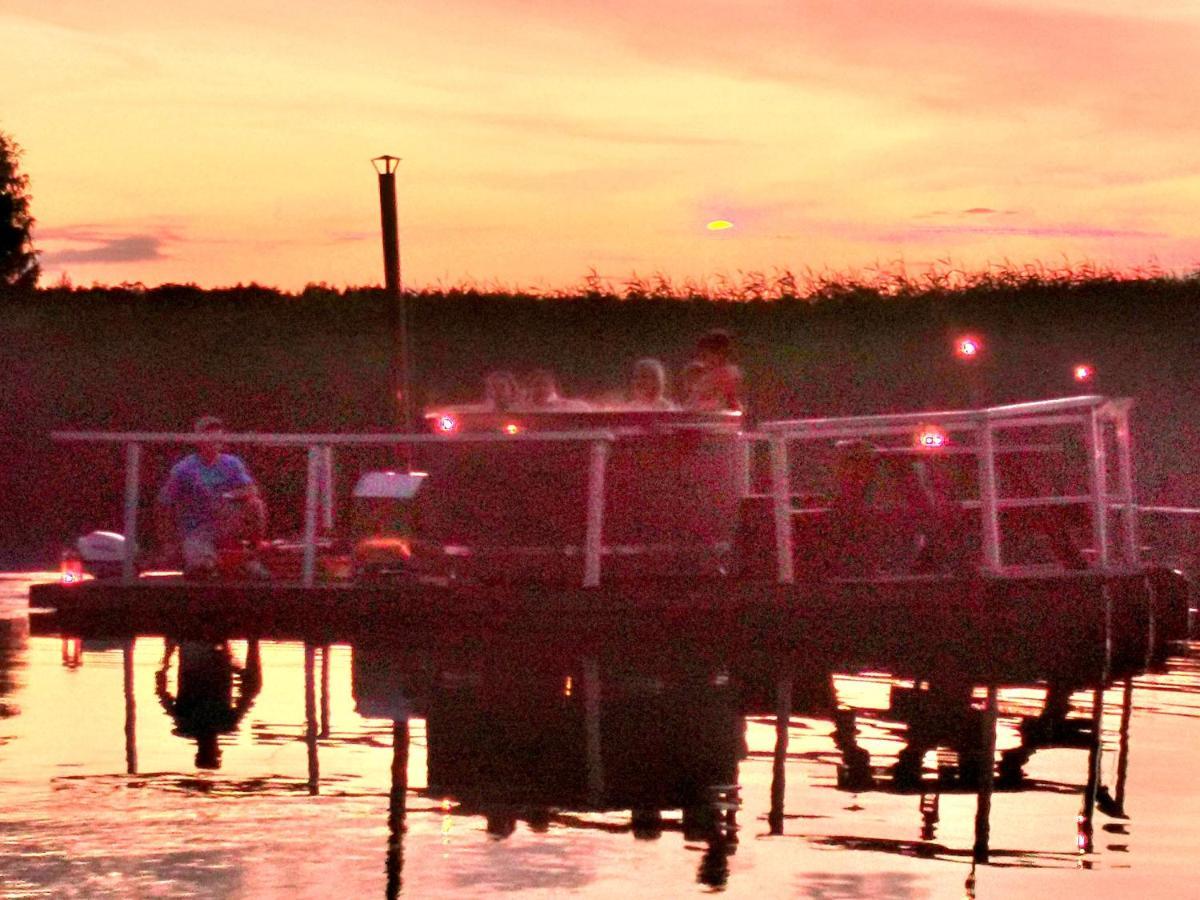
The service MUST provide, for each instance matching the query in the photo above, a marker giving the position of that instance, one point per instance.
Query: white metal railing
(318, 494)
(1097, 417)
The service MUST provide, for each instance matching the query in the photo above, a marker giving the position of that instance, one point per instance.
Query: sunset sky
(229, 142)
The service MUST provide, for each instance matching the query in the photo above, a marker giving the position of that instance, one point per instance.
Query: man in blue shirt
(210, 501)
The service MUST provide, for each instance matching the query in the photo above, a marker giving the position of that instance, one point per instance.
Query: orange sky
(230, 141)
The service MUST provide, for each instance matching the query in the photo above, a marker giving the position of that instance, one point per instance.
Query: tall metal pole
(398, 368)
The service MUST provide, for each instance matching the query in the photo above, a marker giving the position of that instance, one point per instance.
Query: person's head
(500, 388)
(715, 347)
(543, 387)
(208, 437)
(649, 381)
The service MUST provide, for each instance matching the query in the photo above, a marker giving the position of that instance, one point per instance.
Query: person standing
(712, 383)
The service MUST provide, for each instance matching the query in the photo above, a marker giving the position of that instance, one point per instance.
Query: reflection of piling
(310, 718)
(783, 718)
(1091, 790)
(1123, 747)
(324, 732)
(397, 799)
(131, 764)
(591, 705)
(983, 806)
(397, 312)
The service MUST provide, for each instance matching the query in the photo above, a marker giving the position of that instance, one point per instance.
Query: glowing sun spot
(719, 225)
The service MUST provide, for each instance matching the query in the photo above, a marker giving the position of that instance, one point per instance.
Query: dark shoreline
(153, 359)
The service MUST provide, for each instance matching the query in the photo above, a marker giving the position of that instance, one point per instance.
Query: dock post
(131, 764)
(983, 806)
(310, 516)
(1129, 511)
(133, 457)
(1093, 438)
(783, 719)
(324, 732)
(781, 493)
(594, 536)
(989, 504)
(397, 809)
(310, 718)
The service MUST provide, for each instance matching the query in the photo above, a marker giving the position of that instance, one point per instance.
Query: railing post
(745, 466)
(1129, 512)
(1098, 483)
(133, 457)
(594, 536)
(327, 488)
(781, 493)
(310, 515)
(989, 505)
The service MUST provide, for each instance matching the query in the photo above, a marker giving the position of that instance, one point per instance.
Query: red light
(932, 438)
(71, 569)
(446, 424)
(1084, 372)
(967, 347)
(512, 428)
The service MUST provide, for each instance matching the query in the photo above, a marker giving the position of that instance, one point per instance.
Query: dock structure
(895, 539)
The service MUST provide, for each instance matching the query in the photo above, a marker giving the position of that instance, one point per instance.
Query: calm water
(251, 771)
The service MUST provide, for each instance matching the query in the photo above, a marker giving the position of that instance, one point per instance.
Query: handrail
(1094, 413)
(964, 417)
(318, 494)
(305, 440)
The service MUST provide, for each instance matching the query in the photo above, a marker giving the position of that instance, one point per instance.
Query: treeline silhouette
(137, 358)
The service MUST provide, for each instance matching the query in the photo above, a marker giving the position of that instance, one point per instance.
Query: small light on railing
(446, 424)
(967, 347)
(932, 438)
(1083, 372)
(511, 428)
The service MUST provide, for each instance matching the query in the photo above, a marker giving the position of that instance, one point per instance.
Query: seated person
(544, 394)
(711, 381)
(209, 502)
(648, 387)
(500, 391)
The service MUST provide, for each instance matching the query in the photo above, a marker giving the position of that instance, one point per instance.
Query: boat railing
(1101, 422)
(319, 495)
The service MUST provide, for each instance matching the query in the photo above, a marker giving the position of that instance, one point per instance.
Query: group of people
(210, 501)
(711, 382)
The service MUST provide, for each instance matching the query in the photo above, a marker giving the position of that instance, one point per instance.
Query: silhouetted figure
(500, 391)
(711, 381)
(206, 704)
(648, 387)
(544, 394)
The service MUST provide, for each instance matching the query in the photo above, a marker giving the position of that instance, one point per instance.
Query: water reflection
(547, 747)
(514, 768)
(212, 694)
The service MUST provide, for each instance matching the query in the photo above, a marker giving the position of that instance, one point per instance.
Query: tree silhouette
(18, 261)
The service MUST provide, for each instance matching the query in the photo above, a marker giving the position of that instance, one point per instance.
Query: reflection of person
(204, 706)
(711, 381)
(209, 502)
(648, 386)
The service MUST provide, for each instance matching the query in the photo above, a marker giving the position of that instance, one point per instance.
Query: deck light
(1083, 372)
(512, 428)
(967, 347)
(71, 567)
(446, 424)
(931, 438)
